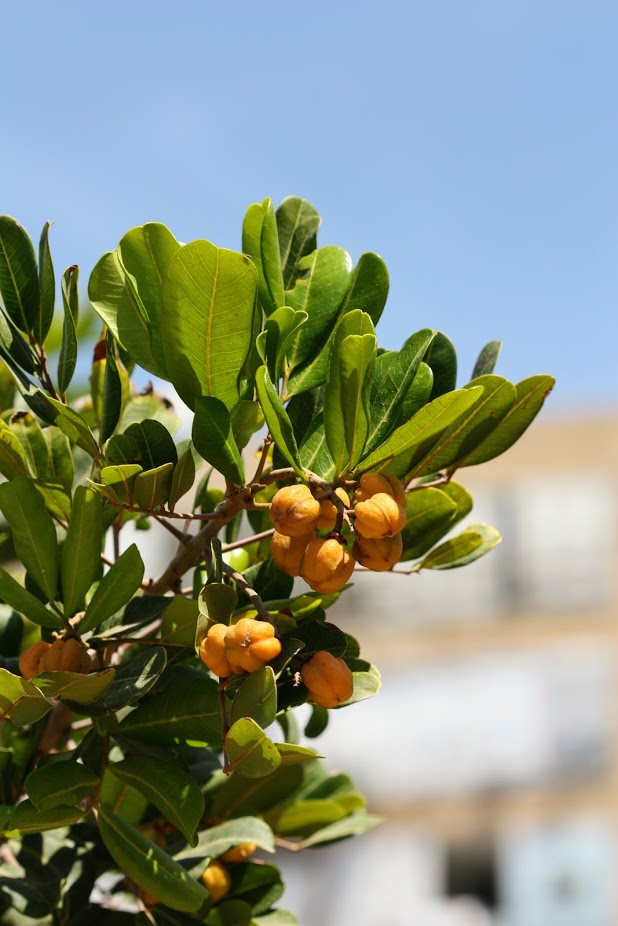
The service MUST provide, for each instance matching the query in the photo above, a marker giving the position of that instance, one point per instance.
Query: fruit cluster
(326, 563)
(66, 654)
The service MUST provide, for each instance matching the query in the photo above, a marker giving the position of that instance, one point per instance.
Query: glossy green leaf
(33, 531)
(16, 353)
(72, 686)
(292, 754)
(392, 378)
(395, 452)
(152, 443)
(121, 480)
(61, 469)
(269, 251)
(168, 786)
(366, 685)
(279, 334)
(475, 541)
(81, 553)
(13, 460)
(531, 393)
(277, 419)
(25, 603)
(63, 783)
(151, 489)
(149, 866)
(275, 918)
(20, 701)
(29, 433)
(182, 478)
(230, 913)
(354, 825)
(249, 751)
(318, 721)
(206, 320)
(217, 840)
(112, 391)
(257, 884)
(67, 419)
(430, 513)
(442, 358)
(218, 602)
(304, 816)
(466, 433)
(116, 587)
(27, 818)
(252, 246)
(134, 678)
(297, 224)
(320, 635)
(152, 405)
(47, 288)
(67, 360)
(214, 440)
(186, 712)
(487, 359)
(247, 418)
(180, 621)
(119, 797)
(19, 280)
(257, 698)
(419, 392)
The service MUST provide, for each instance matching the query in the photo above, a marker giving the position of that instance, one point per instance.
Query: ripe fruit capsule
(250, 644)
(328, 679)
(372, 483)
(379, 516)
(212, 651)
(65, 655)
(287, 552)
(294, 511)
(217, 879)
(326, 565)
(30, 659)
(328, 510)
(378, 555)
(239, 853)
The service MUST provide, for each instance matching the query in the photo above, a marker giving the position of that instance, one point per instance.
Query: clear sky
(472, 143)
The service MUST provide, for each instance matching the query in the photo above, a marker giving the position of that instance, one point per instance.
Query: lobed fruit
(372, 483)
(239, 853)
(328, 510)
(288, 552)
(217, 879)
(379, 516)
(66, 655)
(213, 653)
(379, 554)
(30, 659)
(326, 565)
(328, 679)
(294, 511)
(250, 644)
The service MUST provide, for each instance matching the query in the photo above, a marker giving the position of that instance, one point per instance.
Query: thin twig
(263, 458)
(247, 541)
(255, 599)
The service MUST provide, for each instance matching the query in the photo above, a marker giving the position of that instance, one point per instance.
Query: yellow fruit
(372, 483)
(65, 655)
(212, 651)
(328, 679)
(30, 659)
(217, 879)
(250, 644)
(378, 555)
(328, 510)
(379, 516)
(326, 565)
(239, 853)
(294, 511)
(287, 552)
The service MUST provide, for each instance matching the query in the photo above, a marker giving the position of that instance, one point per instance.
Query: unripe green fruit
(294, 511)
(238, 559)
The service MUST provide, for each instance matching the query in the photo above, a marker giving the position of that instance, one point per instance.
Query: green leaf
(214, 440)
(207, 320)
(185, 712)
(354, 825)
(252, 246)
(257, 698)
(317, 722)
(58, 784)
(19, 280)
(442, 358)
(16, 353)
(431, 513)
(297, 224)
(29, 433)
(134, 679)
(34, 534)
(152, 443)
(320, 635)
(180, 621)
(218, 602)
(230, 913)
(169, 787)
(183, 477)
(116, 587)
(475, 541)
(27, 818)
(368, 288)
(217, 840)
(151, 489)
(121, 480)
(25, 603)
(67, 360)
(258, 884)
(72, 686)
(12, 455)
(47, 288)
(366, 685)
(20, 701)
(392, 379)
(247, 418)
(305, 816)
(81, 553)
(291, 754)
(112, 391)
(60, 459)
(531, 394)
(145, 252)
(277, 420)
(395, 452)
(68, 420)
(250, 752)
(419, 392)
(276, 918)
(280, 331)
(486, 360)
(149, 866)
(466, 433)
(269, 252)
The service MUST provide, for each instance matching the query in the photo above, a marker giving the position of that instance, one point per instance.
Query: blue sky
(473, 144)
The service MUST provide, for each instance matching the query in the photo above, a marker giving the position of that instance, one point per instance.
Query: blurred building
(492, 749)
